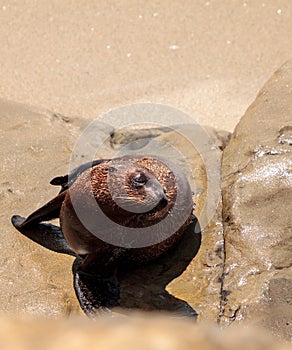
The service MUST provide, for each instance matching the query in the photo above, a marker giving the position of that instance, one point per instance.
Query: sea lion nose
(158, 189)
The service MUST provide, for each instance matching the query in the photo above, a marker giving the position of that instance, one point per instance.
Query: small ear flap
(67, 180)
(59, 180)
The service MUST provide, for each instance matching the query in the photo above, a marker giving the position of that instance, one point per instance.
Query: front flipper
(96, 294)
(47, 235)
(49, 211)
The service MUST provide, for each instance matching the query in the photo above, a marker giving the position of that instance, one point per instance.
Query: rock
(257, 207)
(139, 330)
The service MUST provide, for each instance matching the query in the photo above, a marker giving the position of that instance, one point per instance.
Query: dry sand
(209, 58)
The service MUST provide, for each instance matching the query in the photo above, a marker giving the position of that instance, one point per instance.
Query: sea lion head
(134, 188)
(106, 202)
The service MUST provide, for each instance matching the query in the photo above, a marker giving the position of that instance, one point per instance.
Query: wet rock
(257, 207)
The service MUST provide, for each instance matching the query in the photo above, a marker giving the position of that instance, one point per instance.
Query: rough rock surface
(257, 207)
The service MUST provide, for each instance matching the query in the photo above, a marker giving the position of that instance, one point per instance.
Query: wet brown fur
(95, 182)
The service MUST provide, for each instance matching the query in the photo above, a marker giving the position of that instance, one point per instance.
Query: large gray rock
(257, 211)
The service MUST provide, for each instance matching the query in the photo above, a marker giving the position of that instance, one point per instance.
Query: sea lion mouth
(160, 206)
(131, 206)
(163, 202)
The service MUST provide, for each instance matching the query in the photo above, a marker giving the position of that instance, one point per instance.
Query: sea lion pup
(112, 212)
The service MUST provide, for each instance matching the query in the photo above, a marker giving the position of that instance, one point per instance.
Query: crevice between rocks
(222, 295)
(221, 278)
(223, 292)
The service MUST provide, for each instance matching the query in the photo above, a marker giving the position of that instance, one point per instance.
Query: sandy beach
(208, 58)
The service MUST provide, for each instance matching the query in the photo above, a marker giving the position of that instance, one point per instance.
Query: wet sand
(209, 58)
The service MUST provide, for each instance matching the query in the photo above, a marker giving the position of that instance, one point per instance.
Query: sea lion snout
(151, 196)
(155, 193)
(154, 188)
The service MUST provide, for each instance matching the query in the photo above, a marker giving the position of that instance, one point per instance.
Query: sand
(208, 58)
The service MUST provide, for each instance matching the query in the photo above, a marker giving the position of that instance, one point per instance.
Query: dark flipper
(47, 235)
(96, 286)
(96, 294)
(67, 180)
(49, 211)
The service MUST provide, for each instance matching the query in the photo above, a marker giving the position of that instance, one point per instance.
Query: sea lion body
(100, 206)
